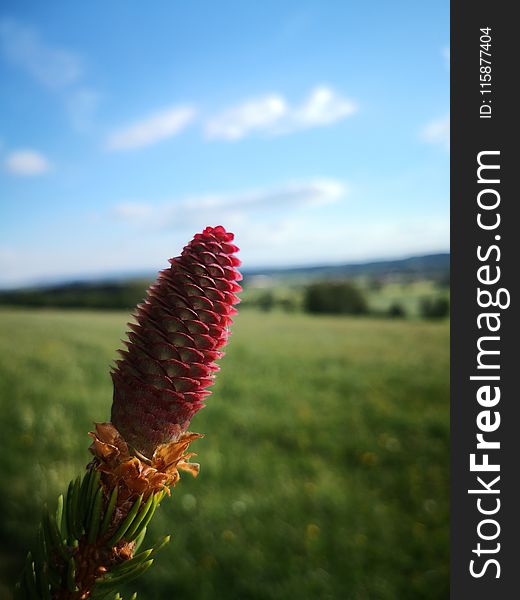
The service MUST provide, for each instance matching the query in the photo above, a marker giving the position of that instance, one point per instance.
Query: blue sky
(317, 131)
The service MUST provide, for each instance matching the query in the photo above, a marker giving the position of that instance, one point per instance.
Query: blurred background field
(318, 132)
(323, 470)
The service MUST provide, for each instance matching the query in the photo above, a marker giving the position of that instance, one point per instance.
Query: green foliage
(409, 295)
(335, 297)
(435, 308)
(265, 301)
(278, 298)
(111, 295)
(324, 467)
(52, 568)
(396, 310)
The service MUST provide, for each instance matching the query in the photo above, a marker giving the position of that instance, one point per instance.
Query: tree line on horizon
(334, 297)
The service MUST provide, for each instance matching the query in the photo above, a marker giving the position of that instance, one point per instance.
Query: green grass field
(324, 470)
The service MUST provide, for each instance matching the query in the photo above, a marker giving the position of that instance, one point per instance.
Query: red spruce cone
(161, 381)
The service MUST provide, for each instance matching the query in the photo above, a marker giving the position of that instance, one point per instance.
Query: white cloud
(53, 67)
(235, 208)
(437, 132)
(26, 163)
(272, 114)
(314, 192)
(254, 115)
(322, 107)
(152, 129)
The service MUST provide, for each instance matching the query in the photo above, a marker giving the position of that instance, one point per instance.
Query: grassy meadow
(324, 470)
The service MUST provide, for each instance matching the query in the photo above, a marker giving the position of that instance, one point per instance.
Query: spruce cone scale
(161, 379)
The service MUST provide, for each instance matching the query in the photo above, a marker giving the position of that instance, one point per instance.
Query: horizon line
(149, 273)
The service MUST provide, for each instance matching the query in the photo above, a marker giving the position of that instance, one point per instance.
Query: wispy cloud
(26, 163)
(254, 115)
(437, 132)
(53, 67)
(230, 207)
(152, 129)
(323, 107)
(58, 70)
(273, 115)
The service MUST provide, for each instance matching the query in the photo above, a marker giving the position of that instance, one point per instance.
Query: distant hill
(430, 266)
(126, 293)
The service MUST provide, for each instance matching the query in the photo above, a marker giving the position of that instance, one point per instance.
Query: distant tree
(79, 295)
(265, 301)
(435, 308)
(335, 298)
(396, 311)
(287, 304)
